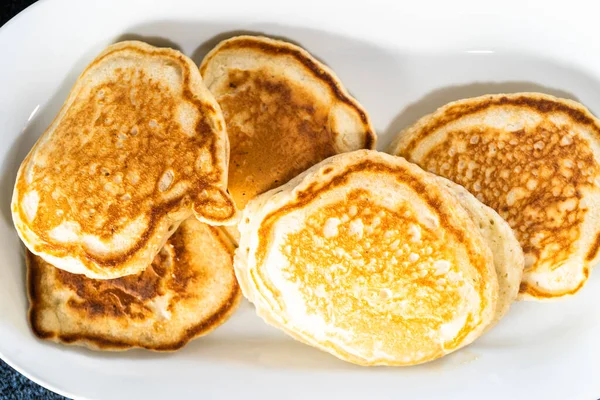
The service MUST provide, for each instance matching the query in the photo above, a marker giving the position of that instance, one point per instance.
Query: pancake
(368, 257)
(189, 290)
(506, 251)
(534, 159)
(285, 111)
(139, 146)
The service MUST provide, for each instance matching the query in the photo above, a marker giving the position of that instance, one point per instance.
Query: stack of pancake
(124, 204)
(115, 204)
(160, 187)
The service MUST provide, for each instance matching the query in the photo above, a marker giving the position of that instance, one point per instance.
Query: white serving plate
(401, 61)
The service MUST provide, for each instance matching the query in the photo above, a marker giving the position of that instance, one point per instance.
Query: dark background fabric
(10, 8)
(14, 386)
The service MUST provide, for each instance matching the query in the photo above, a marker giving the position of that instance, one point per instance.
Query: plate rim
(19, 18)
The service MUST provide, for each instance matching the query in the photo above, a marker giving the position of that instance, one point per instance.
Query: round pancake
(534, 159)
(285, 111)
(366, 257)
(189, 290)
(507, 253)
(139, 146)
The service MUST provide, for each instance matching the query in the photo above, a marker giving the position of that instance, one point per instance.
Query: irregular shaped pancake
(366, 256)
(189, 290)
(506, 251)
(285, 111)
(139, 146)
(534, 159)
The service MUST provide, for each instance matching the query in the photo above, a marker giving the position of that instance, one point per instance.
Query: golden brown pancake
(534, 159)
(285, 111)
(368, 257)
(189, 290)
(139, 146)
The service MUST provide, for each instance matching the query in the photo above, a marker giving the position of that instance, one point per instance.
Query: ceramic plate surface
(401, 60)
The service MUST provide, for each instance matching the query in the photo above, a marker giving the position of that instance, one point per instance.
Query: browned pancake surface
(534, 175)
(277, 125)
(276, 130)
(132, 147)
(189, 290)
(365, 256)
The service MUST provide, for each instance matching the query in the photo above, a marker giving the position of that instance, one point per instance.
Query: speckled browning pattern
(385, 274)
(139, 145)
(534, 174)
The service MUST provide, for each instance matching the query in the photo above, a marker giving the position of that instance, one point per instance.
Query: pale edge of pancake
(272, 200)
(73, 265)
(578, 270)
(506, 250)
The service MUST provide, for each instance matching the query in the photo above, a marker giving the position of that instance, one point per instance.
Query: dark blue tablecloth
(14, 386)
